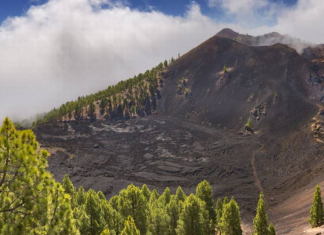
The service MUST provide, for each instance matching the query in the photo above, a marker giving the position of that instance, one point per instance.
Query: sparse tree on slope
(316, 217)
(260, 222)
(92, 109)
(165, 63)
(224, 69)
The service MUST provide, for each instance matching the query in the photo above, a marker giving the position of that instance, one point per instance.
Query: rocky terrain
(208, 97)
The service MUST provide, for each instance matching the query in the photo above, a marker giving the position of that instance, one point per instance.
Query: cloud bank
(68, 48)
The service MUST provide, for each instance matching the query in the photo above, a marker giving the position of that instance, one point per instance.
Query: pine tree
(260, 222)
(82, 220)
(107, 211)
(133, 110)
(165, 197)
(192, 217)
(154, 194)
(316, 217)
(81, 196)
(173, 211)
(224, 69)
(117, 222)
(230, 223)
(101, 195)
(59, 217)
(116, 217)
(219, 209)
(113, 201)
(95, 213)
(106, 232)
(165, 64)
(132, 202)
(181, 196)
(205, 193)
(158, 220)
(30, 200)
(68, 185)
(92, 109)
(225, 201)
(146, 192)
(69, 188)
(130, 227)
(271, 230)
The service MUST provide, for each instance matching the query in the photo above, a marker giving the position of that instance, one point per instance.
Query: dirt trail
(255, 174)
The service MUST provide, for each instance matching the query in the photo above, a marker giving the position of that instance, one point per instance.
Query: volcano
(245, 117)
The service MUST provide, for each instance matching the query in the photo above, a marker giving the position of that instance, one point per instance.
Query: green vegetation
(165, 63)
(230, 222)
(224, 69)
(126, 95)
(249, 124)
(182, 87)
(260, 222)
(32, 202)
(130, 227)
(271, 230)
(316, 212)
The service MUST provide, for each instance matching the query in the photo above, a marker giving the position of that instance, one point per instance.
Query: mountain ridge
(246, 118)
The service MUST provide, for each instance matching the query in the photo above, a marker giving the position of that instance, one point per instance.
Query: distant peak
(227, 33)
(274, 34)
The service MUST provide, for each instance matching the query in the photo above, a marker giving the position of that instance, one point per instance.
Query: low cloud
(67, 48)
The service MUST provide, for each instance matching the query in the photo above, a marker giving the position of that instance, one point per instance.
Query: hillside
(201, 103)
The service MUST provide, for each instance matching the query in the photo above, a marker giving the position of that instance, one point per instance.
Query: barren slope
(199, 132)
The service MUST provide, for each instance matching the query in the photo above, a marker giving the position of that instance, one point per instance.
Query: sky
(11, 8)
(53, 51)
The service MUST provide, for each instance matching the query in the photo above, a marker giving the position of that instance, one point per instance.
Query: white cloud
(239, 6)
(305, 20)
(249, 12)
(67, 48)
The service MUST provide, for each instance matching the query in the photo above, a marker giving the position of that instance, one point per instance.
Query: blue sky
(10, 8)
